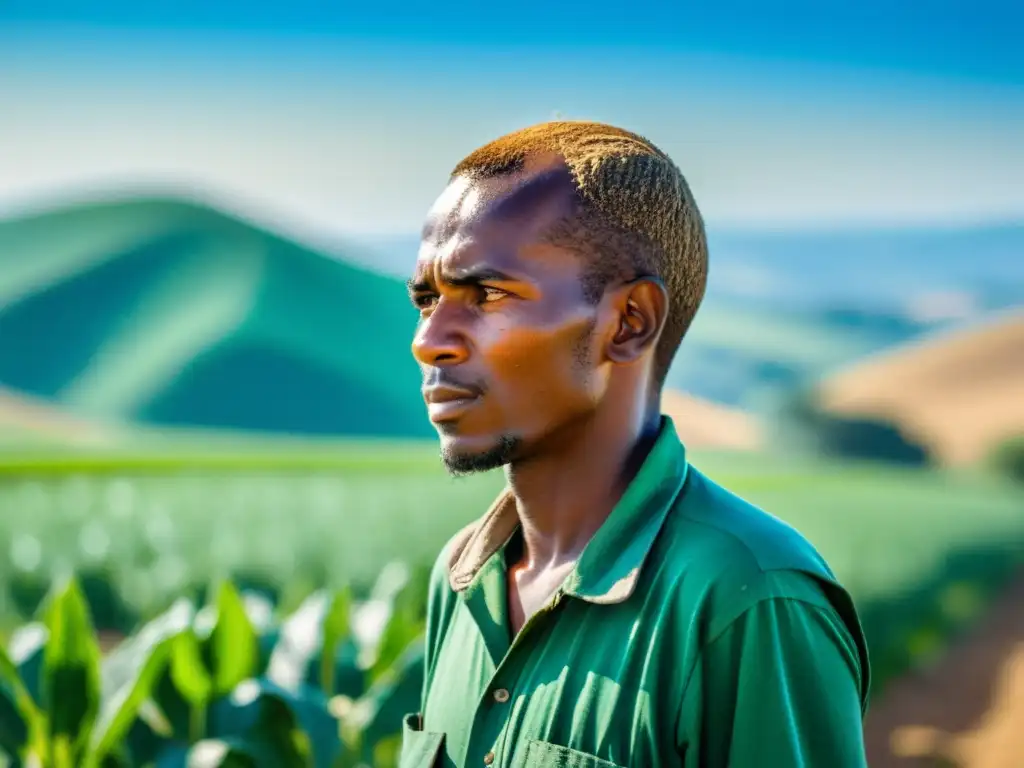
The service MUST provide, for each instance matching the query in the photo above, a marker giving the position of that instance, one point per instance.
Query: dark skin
(522, 371)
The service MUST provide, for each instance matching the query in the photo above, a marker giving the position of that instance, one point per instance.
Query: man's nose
(439, 339)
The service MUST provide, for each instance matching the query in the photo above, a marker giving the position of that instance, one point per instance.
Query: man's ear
(642, 307)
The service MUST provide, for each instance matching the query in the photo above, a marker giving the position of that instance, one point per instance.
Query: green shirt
(695, 630)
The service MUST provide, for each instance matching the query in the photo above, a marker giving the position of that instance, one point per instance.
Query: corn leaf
(404, 627)
(188, 672)
(336, 628)
(26, 726)
(233, 645)
(71, 670)
(122, 709)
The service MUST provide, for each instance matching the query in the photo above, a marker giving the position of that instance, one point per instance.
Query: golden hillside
(703, 424)
(958, 394)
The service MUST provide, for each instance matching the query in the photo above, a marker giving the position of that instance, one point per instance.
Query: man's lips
(445, 402)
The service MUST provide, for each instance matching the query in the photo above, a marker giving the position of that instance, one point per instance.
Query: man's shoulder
(712, 523)
(735, 554)
(748, 556)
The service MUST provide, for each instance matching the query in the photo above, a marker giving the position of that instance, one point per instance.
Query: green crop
(224, 685)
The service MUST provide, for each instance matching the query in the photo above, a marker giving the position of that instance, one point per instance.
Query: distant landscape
(167, 312)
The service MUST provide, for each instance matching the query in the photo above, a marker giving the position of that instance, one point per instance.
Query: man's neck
(563, 496)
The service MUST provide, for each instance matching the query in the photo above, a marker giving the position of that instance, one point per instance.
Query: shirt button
(488, 758)
(501, 695)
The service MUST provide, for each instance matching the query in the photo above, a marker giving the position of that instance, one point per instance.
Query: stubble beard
(462, 464)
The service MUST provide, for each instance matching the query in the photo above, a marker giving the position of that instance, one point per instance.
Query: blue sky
(330, 120)
(977, 39)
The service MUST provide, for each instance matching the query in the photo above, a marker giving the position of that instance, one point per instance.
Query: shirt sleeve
(780, 686)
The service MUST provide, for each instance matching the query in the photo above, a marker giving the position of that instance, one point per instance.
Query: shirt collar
(609, 568)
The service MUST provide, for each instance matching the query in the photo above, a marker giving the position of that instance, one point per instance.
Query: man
(615, 607)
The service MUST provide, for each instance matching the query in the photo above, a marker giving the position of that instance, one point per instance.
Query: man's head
(558, 272)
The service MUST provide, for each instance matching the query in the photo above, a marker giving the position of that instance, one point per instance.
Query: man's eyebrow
(476, 275)
(462, 278)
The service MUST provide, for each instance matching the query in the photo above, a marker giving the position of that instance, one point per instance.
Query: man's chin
(464, 457)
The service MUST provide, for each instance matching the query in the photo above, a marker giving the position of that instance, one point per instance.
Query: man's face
(507, 340)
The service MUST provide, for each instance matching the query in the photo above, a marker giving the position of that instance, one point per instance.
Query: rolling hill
(958, 393)
(166, 312)
(170, 313)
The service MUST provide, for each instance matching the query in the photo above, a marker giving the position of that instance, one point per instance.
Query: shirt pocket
(541, 754)
(420, 749)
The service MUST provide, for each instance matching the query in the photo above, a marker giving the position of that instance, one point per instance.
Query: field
(919, 550)
(311, 556)
(159, 525)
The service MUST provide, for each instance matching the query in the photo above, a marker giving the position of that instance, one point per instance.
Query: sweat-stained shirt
(695, 630)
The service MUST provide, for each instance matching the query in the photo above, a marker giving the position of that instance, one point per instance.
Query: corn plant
(224, 685)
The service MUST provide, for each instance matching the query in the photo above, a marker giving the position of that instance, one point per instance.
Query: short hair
(638, 217)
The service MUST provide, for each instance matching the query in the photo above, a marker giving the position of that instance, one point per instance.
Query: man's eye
(493, 294)
(424, 300)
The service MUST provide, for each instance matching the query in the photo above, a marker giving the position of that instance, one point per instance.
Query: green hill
(171, 313)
